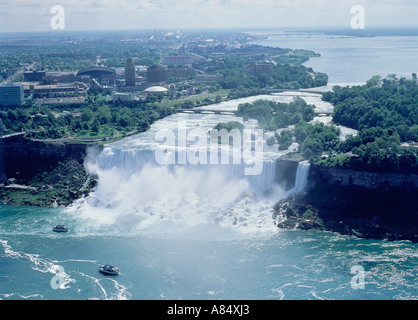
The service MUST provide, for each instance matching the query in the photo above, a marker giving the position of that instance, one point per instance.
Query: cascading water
(137, 193)
(301, 179)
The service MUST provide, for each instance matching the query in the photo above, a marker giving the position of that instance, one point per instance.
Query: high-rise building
(11, 95)
(129, 73)
(156, 74)
(255, 69)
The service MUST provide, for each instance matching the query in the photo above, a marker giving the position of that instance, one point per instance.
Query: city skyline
(35, 15)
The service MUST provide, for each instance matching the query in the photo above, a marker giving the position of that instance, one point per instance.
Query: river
(197, 232)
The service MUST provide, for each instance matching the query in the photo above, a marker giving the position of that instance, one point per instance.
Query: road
(18, 73)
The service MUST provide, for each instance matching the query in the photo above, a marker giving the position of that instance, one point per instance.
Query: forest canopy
(389, 103)
(385, 111)
(275, 115)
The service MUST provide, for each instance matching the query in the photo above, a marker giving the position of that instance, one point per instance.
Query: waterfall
(137, 194)
(130, 161)
(136, 191)
(301, 180)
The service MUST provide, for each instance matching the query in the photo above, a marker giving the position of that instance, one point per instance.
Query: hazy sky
(35, 15)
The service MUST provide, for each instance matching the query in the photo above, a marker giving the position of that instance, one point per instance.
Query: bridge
(13, 135)
(231, 112)
(293, 90)
(200, 110)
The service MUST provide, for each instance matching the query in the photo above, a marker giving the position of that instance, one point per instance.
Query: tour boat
(110, 270)
(60, 228)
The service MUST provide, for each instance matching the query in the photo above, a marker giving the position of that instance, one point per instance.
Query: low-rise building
(65, 77)
(155, 89)
(123, 96)
(180, 60)
(209, 78)
(34, 75)
(55, 90)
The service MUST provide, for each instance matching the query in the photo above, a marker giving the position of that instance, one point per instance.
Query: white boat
(60, 228)
(108, 269)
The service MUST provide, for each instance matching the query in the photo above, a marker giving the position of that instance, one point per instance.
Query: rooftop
(155, 89)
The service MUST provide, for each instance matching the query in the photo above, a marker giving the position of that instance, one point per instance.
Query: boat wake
(41, 265)
(62, 278)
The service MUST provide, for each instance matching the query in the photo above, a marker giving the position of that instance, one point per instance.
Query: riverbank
(356, 207)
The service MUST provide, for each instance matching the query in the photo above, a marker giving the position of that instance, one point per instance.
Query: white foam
(136, 196)
(39, 264)
(122, 292)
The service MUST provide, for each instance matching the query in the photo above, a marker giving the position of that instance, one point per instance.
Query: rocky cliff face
(360, 203)
(286, 172)
(24, 159)
(370, 180)
(44, 174)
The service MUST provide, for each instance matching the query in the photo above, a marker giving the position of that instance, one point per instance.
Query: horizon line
(197, 29)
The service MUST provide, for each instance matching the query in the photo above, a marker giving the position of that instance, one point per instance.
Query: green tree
(95, 128)
(86, 115)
